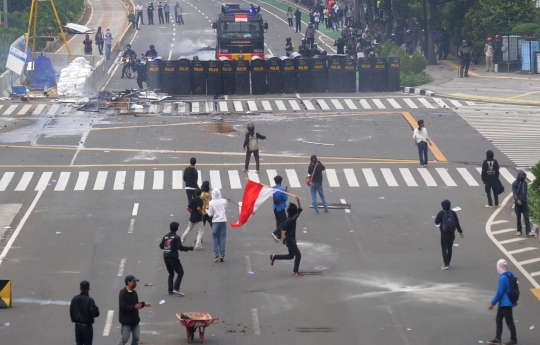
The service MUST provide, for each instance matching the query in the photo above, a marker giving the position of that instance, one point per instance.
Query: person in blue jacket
(280, 204)
(505, 305)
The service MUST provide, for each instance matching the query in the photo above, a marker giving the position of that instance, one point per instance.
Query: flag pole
(282, 191)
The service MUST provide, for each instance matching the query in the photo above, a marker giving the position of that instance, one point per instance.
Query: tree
(432, 59)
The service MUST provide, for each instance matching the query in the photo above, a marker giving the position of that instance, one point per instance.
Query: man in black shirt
(128, 314)
(171, 244)
(288, 233)
(191, 178)
(83, 310)
(195, 218)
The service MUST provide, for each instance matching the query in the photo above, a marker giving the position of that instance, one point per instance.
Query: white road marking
(425, 103)
(25, 180)
(344, 202)
(280, 105)
(308, 104)
(252, 175)
(131, 226)
(100, 180)
(43, 181)
(255, 320)
(350, 104)
(507, 176)
(456, 103)
(467, 177)
(271, 174)
(53, 109)
(108, 323)
(81, 181)
(503, 231)
(177, 179)
(393, 103)
(511, 240)
(410, 103)
(534, 274)
(266, 105)
(370, 177)
(252, 106)
(364, 103)
(6, 179)
(323, 104)
(378, 103)
(248, 264)
(159, 177)
(121, 268)
(138, 180)
(135, 209)
(389, 177)
(62, 181)
(10, 110)
(195, 107)
(294, 104)
(293, 178)
(38, 109)
(209, 107)
(215, 179)
(234, 179)
(470, 103)
(337, 104)
(351, 178)
(440, 102)
(430, 181)
(446, 177)
(119, 180)
(223, 106)
(238, 106)
(408, 177)
(526, 262)
(24, 109)
(331, 176)
(199, 178)
(499, 222)
(522, 250)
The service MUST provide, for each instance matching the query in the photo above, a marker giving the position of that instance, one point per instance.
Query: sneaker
(199, 248)
(216, 259)
(169, 292)
(245, 170)
(221, 258)
(519, 233)
(177, 292)
(272, 259)
(510, 342)
(489, 206)
(275, 237)
(316, 212)
(298, 274)
(531, 234)
(494, 341)
(325, 211)
(445, 267)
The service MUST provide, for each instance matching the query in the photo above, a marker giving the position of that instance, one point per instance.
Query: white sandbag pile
(72, 81)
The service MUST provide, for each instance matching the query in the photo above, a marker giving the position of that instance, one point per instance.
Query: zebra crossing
(139, 180)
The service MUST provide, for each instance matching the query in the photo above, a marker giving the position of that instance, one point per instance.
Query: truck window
(241, 30)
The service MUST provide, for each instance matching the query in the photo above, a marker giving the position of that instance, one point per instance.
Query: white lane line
(121, 268)
(534, 274)
(378, 103)
(10, 110)
(428, 179)
(507, 175)
(238, 106)
(159, 177)
(119, 180)
(177, 179)
(38, 109)
(294, 182)
(456, 103)
(408, 177)
(108, 323)
(271, 174)
(308, 104)
(467, 177)
(100, 180)
(350, 104)
(364, 103)
(62, 181)
(199, 178)
(82, 180)
(255, 320)
(215, 179)
(223, 106)
(43, 181)
(266, 105)
(25, 180)
(6, 179)
(323, 104)
(138, 180)
(331, 176)
(470, 103)
(393, 103)
(526, 262)
(440, 102)
(479, 170)
(344, 202)
(499, 222)
(20, 226)
(195, 107)
(53, 109)
(131, 226)
(337, 104)
(503, 231)
(389, 177)
(252, 105)
(351, 178)
(446, 177)
(135, 209)
(248, 264)
(24, 109)
(410, 103)
(294, 104)
(425, 103)
(280, 105)
(522, 250)
(370, 177)
(234, 179)
(252, 175)
(511, 240)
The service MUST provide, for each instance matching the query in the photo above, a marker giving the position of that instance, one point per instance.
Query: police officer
(141, 73)
(340, 43)
(409, 42)
(310, 34)
(302, 49)
(151, 53)
(150, 13)
(289, 46)
(315, 50)
(464, 54)
(128, 57)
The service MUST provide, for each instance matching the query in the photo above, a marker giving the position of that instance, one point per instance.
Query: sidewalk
(508, 88)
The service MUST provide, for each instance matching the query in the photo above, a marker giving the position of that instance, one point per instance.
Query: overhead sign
(16, 60)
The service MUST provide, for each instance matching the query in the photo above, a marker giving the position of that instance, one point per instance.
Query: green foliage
(387, 47)
(537, 34)
(526, 28)
(533, 195)
(415, 79)
(418, 63)
(405, 60)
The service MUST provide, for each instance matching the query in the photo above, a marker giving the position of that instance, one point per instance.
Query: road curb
(534, 227)
(417, 91)
(479, 99)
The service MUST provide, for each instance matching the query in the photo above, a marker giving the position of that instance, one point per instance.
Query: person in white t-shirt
(421, 139)
(139, 8)
(488, 51)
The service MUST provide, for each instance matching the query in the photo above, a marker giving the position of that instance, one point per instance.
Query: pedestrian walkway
(119, 180)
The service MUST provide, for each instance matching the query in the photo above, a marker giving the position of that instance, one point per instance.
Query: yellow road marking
(457, 67)
(490, 76)
(498, 99)
(433, 147)
(525, 94)
(536, 292)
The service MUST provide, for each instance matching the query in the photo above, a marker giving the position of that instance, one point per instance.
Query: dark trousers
(174, 265)
(180, 20)
(100, 47)
(310, 41)
(294, 253)
(447, 241)
(167, 17)
(139, 15)
(290, 22)
(248, 157)
(151, 19)
(298, 26)
(190, 193)
(422, 152)
(140, 80)
(281, 216)
(492, 187)
(160, 17)
(465, 63)
(84, 334)
(523, 209)
(207, 218)
(506, 313)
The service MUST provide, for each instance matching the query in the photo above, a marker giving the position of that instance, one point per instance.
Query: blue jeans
(190, 193)
(219, 235)
(316, 186)
(126, 330)
(83, 334)
(108, 50)
(422, 152)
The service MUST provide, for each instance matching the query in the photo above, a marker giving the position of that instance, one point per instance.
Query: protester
(217, 209)
(128, 314)
(505, 308)
(447, 221)
(490, 177)
(171, 244)
(99, 40)
(132, 19)
(251, 145)
(279, 206)
(195, 219)
(160, 13)
(298, 18)
(519, 190)
(288, 232)
(178, 11)
(83, 310)
(315, 170)
(290, 16)
(150, 13)
(191, 178)
(139, 8)
(206, 196)
(421, 139)
(488, 52)
(87, 45)
(141, 73)
(108, 43)
(167, 11)
(49, 40)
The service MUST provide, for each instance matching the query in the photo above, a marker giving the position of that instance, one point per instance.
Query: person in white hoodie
(217, 209)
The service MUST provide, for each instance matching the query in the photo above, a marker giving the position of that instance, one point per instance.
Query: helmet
(288, 39)
(250, 126)
(464, 43)
(310, 24)
(497, 36)
(128, 46)
(152, 47)
(490, 39)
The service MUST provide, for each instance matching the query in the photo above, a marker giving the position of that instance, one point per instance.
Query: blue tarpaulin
(43, 73)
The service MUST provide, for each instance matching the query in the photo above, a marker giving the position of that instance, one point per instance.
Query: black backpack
(448, 221)
(513, 295)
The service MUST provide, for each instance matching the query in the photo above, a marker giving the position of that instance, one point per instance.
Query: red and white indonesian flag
(254, 195)
(242, 17)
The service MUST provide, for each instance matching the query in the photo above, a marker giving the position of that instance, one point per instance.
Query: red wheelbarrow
(194, 320)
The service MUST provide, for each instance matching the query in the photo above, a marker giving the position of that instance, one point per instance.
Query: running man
(288, 233)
